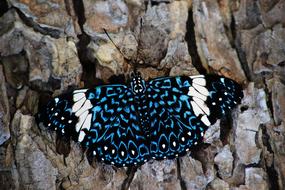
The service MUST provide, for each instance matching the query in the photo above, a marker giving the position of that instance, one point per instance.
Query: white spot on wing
(202, 105)
(81, 120)
(192, 92)
(201, 89)
(196, 109)
(199, 81)
(78, 96)
(81, 136)
(87, 105)
(87, 122)
(78, 105)
(205, 120)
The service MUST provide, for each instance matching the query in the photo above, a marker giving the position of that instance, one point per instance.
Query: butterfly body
(129, 125)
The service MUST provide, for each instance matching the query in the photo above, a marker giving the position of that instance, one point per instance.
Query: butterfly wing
(182, 108)
(103, 119)
(57, 115)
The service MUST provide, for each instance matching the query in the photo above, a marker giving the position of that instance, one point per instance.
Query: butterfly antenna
(127, 59)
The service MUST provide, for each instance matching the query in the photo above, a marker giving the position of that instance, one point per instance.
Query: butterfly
(126, 125)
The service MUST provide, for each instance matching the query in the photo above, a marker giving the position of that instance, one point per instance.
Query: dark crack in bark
(182, 182)
(225, 128)
(130, 173)
(156, 3)
(3, 7)
(240, 52)
(43, 30)
(269, 101)
(89, 67)
(80, 12)
(191, 42)
(271, 171)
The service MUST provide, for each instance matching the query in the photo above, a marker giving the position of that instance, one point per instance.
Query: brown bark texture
(51, 47)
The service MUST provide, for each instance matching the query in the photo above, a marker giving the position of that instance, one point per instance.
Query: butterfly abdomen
(143, 113)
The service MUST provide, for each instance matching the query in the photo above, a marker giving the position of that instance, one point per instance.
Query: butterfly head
(137, 83)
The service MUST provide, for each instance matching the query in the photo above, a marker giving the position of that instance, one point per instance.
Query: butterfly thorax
(137, 84)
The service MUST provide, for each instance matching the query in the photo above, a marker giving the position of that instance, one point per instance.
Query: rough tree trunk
(51, 47)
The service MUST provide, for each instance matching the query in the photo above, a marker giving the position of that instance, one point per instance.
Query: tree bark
(51, 47)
